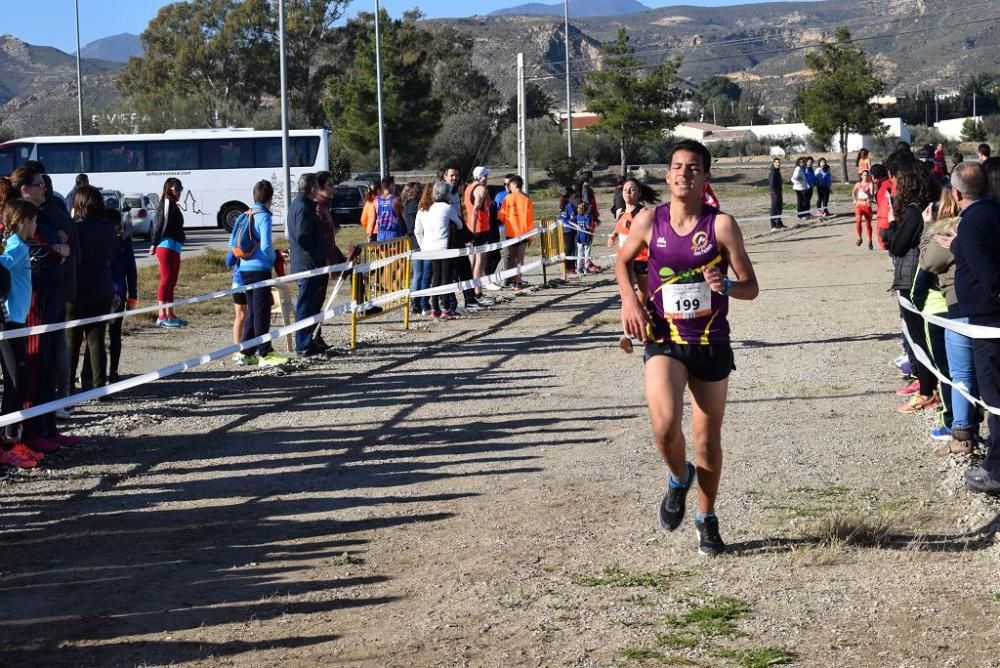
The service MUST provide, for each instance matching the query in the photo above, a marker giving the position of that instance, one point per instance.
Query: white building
(951, 129)
(707, 133)
(895, 127)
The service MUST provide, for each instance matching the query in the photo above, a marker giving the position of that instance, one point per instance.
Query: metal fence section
(553, 246)
(381, 280)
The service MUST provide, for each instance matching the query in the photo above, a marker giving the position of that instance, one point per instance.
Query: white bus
(217, 167)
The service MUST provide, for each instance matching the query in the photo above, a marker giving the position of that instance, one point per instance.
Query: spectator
(618, 200)
(18, 218)
(937, 258)
(777, 200)
(167, 237)
(884, 191)
(81, 180)
(824, 183)
(810, 175)
(983, 152)
(940, 167)
(915, 189)
(800, 186)
(124, 278)
(412, 196)
(956, 160)
(584, 237)
(388, 212)
(257, 268)
(239, 304)
(461, 238)
(977, 284)
(64, 291)
(47, 253)
(368, 219)
(434, 225)
(95, 291)
(518, 216)
(477, 217)
(308, 249)
(324, 211)
(567, 216)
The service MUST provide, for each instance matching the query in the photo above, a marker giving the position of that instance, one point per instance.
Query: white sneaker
(492, 287)
(65, 413)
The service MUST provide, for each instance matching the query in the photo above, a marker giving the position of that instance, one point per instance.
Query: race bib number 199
(686, 301)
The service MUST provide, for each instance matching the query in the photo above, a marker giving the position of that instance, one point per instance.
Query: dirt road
(483, 493)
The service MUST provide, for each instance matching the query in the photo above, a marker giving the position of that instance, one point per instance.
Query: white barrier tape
(971, 331)
(472, 250)
(278, 280)
(172, 369)
(497, 277)
(922, 358)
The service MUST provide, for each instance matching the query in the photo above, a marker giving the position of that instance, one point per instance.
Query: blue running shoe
(941, 434)
(672, 503)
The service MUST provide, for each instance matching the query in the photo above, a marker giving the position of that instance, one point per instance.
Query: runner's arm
(634, 316)
(730, 238)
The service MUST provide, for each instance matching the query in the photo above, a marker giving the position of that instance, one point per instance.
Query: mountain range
(577, 9)
(915, 44)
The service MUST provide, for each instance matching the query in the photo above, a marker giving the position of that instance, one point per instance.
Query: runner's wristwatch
(727, 286)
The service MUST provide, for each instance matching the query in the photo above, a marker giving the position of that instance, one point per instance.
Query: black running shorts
(710, 363)
(641, 268)
(240, 298)
(481, 239)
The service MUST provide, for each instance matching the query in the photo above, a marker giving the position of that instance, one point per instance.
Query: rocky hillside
(115, 49)
(917, 43)
(577, 8)
(38, 86)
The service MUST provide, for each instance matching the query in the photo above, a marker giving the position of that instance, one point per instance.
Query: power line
(765, 38)
(769, 52)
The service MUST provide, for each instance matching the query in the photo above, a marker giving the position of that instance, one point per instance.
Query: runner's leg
(665, 381)
(708, 406)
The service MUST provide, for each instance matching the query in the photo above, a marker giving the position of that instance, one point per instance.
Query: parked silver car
(141, 209)
(115, 199)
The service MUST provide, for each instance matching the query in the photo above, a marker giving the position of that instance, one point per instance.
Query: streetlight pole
(284, 112)
(378, 78)
(79, 76)
(569, 104)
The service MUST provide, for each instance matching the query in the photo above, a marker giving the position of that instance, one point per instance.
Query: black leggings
(258, 318)
(935, 337)
(915, 328)
(802, 203)
(115, 339)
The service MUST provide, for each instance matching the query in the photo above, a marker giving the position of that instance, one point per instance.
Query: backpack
(243, 243)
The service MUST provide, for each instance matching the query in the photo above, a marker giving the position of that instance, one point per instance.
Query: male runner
(691, 246)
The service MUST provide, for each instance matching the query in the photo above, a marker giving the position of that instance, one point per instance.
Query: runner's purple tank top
(681, 306)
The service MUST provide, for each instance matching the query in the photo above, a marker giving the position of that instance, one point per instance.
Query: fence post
(545, 251)
(408, 277)
(355, 288)
(561, 244)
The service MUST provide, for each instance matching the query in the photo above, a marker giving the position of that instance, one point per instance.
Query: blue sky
(50, 22)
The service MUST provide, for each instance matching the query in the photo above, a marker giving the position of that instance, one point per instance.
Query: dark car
(347, 203)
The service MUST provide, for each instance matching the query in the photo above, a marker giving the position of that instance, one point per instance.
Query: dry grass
(853, 528)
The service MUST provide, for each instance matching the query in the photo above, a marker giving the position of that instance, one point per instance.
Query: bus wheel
(229, 213)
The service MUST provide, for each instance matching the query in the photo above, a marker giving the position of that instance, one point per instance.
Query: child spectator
(584, 237)
(824, 182)
(567, 216)
(18, 227)
(239, 305)
(125, 286)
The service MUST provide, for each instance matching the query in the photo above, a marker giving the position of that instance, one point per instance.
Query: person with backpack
(251, 244)
(388, 212)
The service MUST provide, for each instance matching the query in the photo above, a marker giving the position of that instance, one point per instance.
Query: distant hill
(577, 9)
(38, 85)
(116, 49)
(923, 44)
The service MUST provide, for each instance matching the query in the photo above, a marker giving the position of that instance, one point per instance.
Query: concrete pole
(569, 104)
(378, 92)
(522, 124)
(286, 169)
(79, 76)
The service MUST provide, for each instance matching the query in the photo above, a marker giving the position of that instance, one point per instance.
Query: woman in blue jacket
(258, 268)
(824, 183)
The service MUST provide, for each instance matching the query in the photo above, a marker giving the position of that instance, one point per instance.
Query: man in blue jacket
(977, 284)
(308, 249)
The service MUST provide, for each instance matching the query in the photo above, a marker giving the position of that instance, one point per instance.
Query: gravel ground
(483, 492)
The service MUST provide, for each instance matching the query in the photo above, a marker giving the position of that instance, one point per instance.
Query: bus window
(226, 153)
(164, 156)
(120, 157)
(301, 151)
(13, 156)
(65, 158)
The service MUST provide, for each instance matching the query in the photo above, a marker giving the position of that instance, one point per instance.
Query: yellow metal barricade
(381, 281)
(553, 246)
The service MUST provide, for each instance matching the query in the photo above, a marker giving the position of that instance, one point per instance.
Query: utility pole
(569, 104)
(522, 124)
(282, 39)
(378, 78)
(79, 77)
(937, 118)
